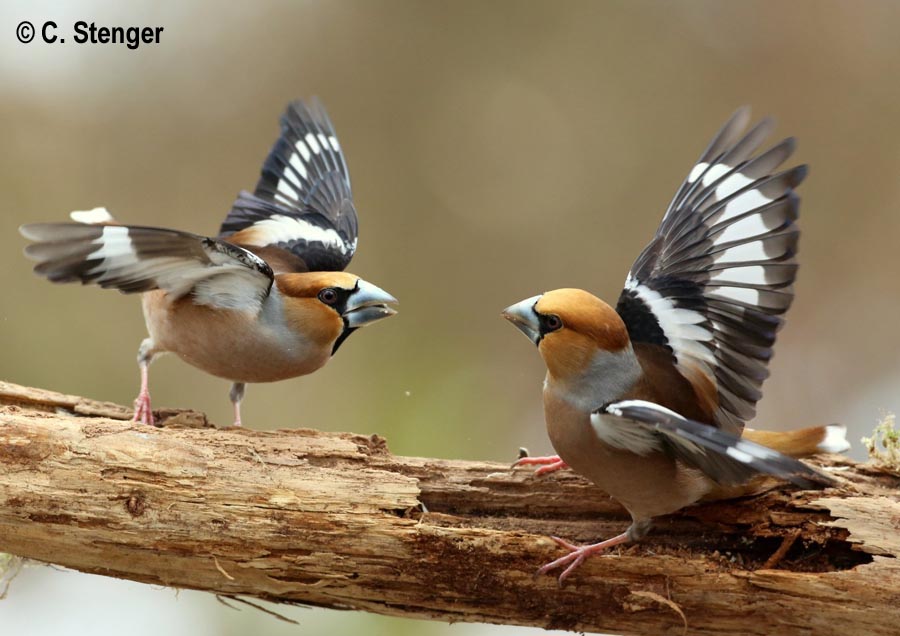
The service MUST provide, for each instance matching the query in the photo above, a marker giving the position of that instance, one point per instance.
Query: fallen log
(336, 520)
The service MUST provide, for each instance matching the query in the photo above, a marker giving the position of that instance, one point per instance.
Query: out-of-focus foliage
(497, 149)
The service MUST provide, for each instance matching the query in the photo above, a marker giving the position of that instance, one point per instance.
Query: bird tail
(97, 216)
(831, 438)
(804, 442)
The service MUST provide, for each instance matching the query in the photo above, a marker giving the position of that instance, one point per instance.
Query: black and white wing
(713, 284)
(302, 203)
(138, 259)
(727, 459)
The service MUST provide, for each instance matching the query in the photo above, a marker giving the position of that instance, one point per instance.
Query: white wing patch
(737, 294)
(746, 252)
(682, 327)
(227, 283)
(697, 171)
(749, 275)
(712, 175)
(283, 229)
(298, 165)
(616, 408)
(739, 455)
(285, 189)
(114, 247)
(732, 184)
(303, 150)
(312, 143)
(289, 185)
(729, 185)
(745, 202)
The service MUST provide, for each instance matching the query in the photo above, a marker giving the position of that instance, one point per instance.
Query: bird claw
(548, 464)
(142, 410)
(577, 555)
(567, 545)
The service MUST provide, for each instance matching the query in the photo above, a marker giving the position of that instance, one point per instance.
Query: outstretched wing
(713, 284)
(642, 427)
(138, 259)
(302, 205)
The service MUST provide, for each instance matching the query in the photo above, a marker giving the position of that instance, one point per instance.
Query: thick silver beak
(367, 304)
(523, 316)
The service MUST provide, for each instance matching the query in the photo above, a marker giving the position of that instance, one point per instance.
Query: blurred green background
(497, 150)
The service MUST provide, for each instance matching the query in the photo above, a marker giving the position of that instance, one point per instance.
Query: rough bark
(336, 520)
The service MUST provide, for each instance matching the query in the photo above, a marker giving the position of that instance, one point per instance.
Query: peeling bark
(336, 520)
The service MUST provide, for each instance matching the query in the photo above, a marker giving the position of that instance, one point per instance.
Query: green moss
(884, 445)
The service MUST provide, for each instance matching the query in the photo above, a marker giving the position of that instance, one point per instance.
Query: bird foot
(578, 554)
(548, 464)
(142, 411)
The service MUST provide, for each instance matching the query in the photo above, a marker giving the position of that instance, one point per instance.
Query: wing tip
(789, 144)
(752, 455)
(29, 231)
(767, 460)
(311, 109)
(742, 114)
(798, 174)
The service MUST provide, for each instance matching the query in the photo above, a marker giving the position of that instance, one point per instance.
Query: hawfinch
(266, 299)
(648, 400)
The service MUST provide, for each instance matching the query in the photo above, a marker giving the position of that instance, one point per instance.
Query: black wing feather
(303, 203)
(727, 459)
(136, 259)
(713, 284)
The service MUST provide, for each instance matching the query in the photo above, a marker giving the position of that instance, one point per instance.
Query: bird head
(570, 327)
(329, 306)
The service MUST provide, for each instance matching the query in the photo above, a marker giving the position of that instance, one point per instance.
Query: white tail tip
(92, 217)
(835, 439)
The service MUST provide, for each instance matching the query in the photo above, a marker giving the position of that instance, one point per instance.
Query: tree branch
(336, 520)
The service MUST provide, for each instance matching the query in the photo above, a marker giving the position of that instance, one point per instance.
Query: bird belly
(646, 485)
(230, 344)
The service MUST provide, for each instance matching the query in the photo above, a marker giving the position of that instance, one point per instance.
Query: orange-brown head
(328, 306)
(570, 327)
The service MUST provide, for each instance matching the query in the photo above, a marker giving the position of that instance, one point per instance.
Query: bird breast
(646, 485)
(237, 345)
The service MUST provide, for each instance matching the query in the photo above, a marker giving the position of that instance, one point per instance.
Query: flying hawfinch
(266, 299)
(648, 400)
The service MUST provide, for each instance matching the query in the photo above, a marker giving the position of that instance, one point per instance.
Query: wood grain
(336, 520)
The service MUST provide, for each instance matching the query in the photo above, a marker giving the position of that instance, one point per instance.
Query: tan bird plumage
(266, 300)
(648, 399)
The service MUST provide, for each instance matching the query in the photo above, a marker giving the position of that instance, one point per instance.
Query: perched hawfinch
(266, 299)
(648, 400)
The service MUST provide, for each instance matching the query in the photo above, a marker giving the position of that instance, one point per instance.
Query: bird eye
(328, 296)
(552, 322)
